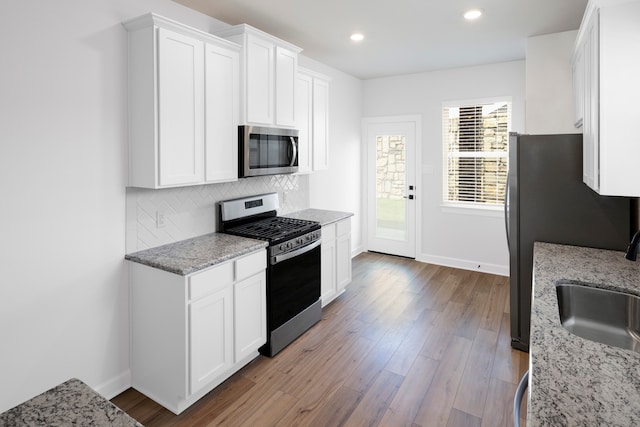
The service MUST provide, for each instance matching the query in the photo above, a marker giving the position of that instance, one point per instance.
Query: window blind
(476, 142)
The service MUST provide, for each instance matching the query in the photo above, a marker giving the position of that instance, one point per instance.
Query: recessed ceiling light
(357, 37)
(472, 14)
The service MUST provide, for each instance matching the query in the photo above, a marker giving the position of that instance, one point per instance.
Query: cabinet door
(577, 69)
(328, 278)
(222, 109)
(320, 124)
(343, 261)
(286, 72)
(211, 338)
(590, 147)
(343, 254)
(180, 109)
(250, 307)
(259, 80)
(304, 95)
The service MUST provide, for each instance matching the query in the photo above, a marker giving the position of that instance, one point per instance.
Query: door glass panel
(391, 179)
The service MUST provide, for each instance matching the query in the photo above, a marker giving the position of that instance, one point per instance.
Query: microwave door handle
(294, 149)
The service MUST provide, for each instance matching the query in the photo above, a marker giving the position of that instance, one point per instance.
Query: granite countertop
(72, 403)
(322, 216)
(574, 381)
(195, 254)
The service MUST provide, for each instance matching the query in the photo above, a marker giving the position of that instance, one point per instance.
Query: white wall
(340, 187)
(451, 237)
(549, 90)
(63, 130)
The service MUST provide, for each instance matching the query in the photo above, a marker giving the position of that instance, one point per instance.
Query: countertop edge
(195, 254)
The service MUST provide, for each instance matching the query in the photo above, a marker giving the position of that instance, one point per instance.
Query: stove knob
(281, 247)
(289, 245)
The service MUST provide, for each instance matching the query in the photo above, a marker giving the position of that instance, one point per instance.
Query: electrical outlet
(160, 219)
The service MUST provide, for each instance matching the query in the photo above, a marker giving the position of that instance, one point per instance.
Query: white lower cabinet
(343, 254)
(210, 338)
(335, 259)
(250, 315)
(190, 333)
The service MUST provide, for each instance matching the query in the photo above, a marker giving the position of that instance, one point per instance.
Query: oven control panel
(295, 243)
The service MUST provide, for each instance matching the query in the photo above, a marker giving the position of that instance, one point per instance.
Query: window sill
(490, 211)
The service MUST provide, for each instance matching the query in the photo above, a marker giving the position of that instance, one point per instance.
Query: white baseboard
(113, 387)
(501, 270)
(356, 251)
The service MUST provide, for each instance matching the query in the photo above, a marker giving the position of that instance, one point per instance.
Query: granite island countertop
(574, 381)
(324, 217)
(72, 403)
(195, 254)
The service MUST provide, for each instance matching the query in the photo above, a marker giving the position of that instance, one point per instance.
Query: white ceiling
(402, 36)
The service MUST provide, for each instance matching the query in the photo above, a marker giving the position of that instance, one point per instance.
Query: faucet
(632, 250)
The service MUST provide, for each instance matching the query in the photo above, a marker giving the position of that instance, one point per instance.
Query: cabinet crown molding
(313, 74)
(592, 7)
(153, 19)
(242, 29)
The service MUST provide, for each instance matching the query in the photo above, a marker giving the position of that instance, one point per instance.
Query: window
(475, 145)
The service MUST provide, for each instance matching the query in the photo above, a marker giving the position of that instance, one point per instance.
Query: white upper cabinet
(259, 56)
(304, 98)
(181, 108)
(183, 105)
(606, 88)
(312, 114)
(268, 77)
(222, 115)
(285, 88)
(320, 124)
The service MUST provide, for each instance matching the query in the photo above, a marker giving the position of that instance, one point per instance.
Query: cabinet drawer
(344, 227)
(208, 281)
(329, 232)
(251, 264)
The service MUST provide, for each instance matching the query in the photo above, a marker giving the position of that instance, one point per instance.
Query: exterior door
(391, 195)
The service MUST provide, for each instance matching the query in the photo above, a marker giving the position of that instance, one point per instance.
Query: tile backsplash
(192, 211)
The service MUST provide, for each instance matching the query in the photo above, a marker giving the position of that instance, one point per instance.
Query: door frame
(366, 170)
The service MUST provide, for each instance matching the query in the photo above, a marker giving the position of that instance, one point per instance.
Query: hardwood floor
(407, 344)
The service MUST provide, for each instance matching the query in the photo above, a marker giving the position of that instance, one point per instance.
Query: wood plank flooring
(408, 344)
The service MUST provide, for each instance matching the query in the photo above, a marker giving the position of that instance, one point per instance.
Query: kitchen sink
(601, 315)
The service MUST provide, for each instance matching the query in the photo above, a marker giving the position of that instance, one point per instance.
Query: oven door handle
(280, 258)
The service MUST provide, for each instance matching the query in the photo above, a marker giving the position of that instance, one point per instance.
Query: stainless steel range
(293, 267)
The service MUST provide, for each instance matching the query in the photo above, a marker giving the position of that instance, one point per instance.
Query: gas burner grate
(274, 228)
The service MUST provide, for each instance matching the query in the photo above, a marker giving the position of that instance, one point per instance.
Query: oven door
(268, 151)
(293, 283)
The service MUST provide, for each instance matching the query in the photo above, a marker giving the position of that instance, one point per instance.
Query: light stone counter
(322, 216)
(191, 255)
(72, 403)
(574, 381)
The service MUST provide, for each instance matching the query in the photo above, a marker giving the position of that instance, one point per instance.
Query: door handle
(410, 197)
(294, 150)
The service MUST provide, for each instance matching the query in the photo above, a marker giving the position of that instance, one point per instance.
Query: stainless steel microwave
(267, 151)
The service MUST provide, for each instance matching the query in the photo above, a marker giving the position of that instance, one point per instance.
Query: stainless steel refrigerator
(547, 201)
